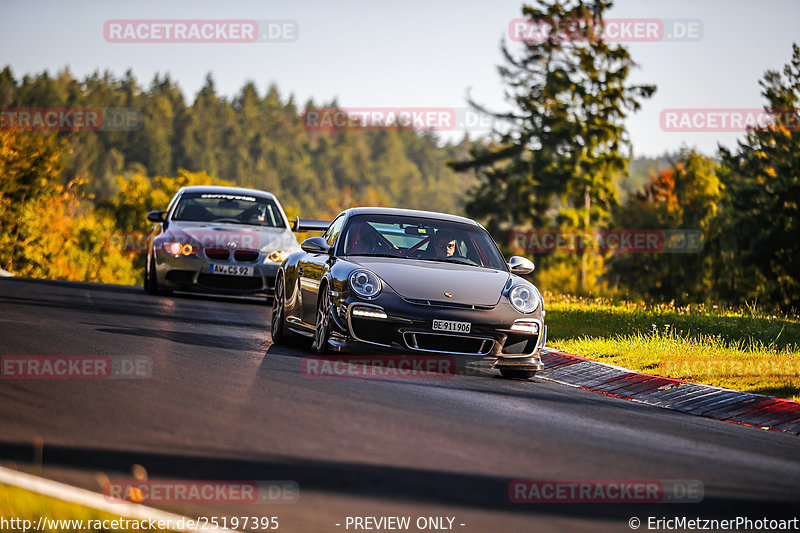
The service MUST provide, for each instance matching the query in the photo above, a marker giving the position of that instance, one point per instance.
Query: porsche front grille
(447, 343)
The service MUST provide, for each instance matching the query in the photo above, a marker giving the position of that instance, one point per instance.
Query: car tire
(151, 281)
(322, 331)
(515, 373)
(278, 318)
(146, 277)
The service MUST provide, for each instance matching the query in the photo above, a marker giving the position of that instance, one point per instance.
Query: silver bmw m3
(218, 239)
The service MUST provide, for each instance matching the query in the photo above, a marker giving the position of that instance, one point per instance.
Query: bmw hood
(430, 280)
(235, 236)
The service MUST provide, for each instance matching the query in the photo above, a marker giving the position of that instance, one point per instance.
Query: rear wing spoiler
(303, 225)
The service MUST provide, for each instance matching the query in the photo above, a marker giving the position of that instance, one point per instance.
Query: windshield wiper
(456, 260)
(372, 255)
(241, 223)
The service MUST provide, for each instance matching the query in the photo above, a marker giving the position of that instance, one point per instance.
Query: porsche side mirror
(315, 245)
(520, 265)
(157, 216)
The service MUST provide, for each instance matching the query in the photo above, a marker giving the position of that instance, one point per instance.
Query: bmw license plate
(452, 326)
(231, 270)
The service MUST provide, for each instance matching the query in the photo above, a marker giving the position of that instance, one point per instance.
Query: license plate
(452, 326)
(231, 270)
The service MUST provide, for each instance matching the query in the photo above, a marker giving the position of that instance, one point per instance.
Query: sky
(413, 53)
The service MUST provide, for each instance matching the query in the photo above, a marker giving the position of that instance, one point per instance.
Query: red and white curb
(100, 502)
(745, 408)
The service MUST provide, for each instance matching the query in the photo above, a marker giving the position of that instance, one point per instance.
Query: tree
(763, 179)
(8, 86)
(254, 140)
(138, 195)
(203, 134)
(687, 197)
(30, 165)
(46, 230)
(565, 139)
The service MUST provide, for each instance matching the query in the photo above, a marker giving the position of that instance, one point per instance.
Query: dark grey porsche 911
(396, 280)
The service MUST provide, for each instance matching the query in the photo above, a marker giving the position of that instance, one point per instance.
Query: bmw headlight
(365, 284)
(524, 298)
(177, 248)
(277, 256)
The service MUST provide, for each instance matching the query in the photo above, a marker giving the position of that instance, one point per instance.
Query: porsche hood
(438, 281)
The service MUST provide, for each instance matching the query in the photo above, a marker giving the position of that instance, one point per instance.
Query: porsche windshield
(228, 208)
(422, 239)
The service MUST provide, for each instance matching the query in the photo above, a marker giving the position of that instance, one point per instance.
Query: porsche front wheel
(278, 313)
(323, 329)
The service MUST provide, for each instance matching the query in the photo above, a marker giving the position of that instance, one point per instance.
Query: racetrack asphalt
(222, 403)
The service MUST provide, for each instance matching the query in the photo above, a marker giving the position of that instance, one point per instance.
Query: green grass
(742, 349)
(21, 504)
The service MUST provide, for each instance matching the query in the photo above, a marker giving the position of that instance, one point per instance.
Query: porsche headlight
(524, 298)
(277, 256)
(365, 284)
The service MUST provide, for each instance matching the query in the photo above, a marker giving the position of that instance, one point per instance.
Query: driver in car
(443, 245)
(252, 214)
(366, 244)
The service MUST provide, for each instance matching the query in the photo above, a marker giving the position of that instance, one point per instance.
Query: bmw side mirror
(157, 216)
(315, 245)
(520, 265)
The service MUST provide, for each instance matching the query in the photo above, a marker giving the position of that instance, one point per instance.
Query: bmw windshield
(228, 208)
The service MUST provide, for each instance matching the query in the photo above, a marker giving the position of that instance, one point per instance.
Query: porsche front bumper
(398, 325)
